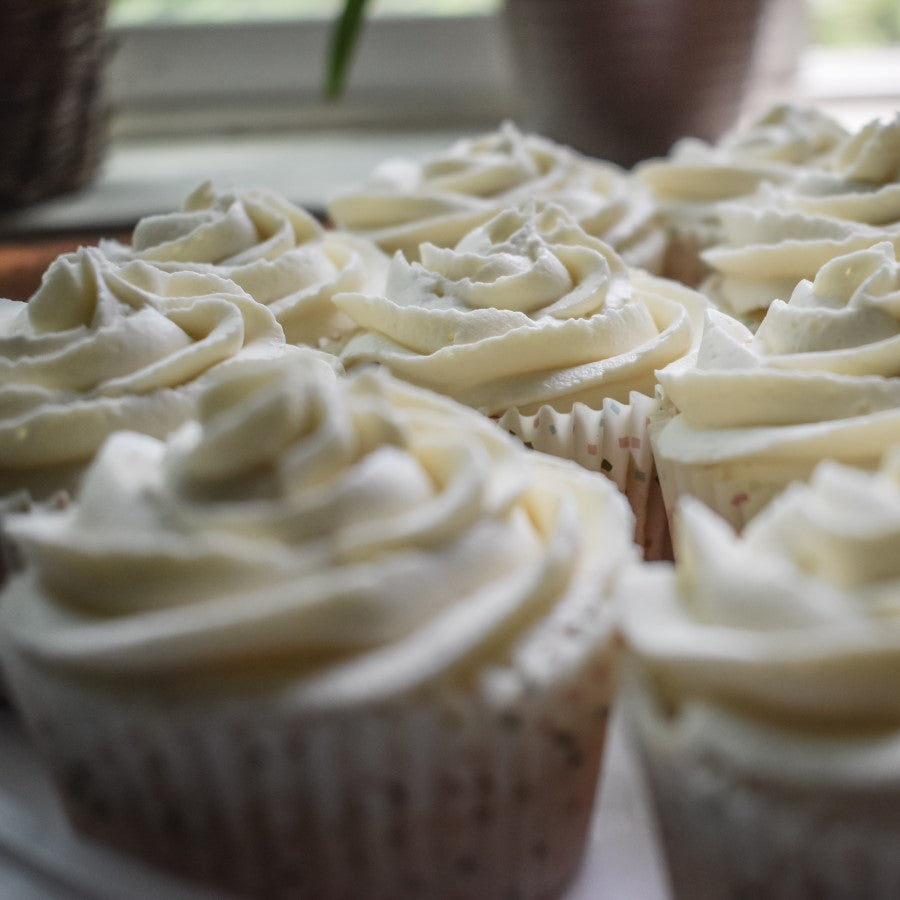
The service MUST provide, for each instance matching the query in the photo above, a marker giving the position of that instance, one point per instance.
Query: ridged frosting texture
(822, 371)
(773, 148)
(356, 536)
(275, 251)
(527, 309)
(101, 347)
(696, 180)
(797, 620)
(440, 198)
(784, 233)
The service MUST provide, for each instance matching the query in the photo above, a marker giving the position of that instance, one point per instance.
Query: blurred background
(444, 61)
(119, 108)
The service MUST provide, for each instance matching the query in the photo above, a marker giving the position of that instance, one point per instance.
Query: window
(200, 65)
(193, 66)
(142, 12)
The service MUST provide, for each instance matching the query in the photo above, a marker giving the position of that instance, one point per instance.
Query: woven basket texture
(52, 107)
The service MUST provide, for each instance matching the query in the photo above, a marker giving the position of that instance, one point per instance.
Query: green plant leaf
(344, 38)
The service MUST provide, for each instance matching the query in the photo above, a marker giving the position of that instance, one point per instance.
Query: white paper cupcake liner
(738, 484)
(613, 441)
(750, 811)
(451, 794)
(737, 491)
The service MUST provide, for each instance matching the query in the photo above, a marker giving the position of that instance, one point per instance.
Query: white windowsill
(150, 175)
(144, 174)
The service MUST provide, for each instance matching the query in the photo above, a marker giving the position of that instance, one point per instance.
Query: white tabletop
(42, 859)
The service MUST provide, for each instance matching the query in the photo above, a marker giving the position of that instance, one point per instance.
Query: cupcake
(691, 183)
(760, 690)
(440, 199)
(275, 251)
(531, 320)
(820, 379)
(101, 347)
(785, 233)
(339, 637)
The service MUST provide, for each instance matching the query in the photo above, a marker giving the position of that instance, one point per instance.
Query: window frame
(408, 72)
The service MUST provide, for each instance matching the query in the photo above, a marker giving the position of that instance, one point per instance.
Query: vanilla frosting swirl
(358, 534)
(694, 184)
(821, 374)
(101, 347)
(785, 233)
(439, 199)
(797, 620)
(526, 310)
(772, 148)
(275, 251)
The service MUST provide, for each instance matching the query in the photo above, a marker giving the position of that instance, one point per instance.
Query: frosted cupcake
(786, 233)
(275, 251)
(440, 199)
(761, 688)
(338, 637)
(101, 347)
(530, 319)
(820, 379)
(691, 183)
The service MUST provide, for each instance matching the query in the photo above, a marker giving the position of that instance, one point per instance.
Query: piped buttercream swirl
(101, 347)
(439, 199)
(358, 534)
(795, 621)
(275, 251)
(528, 309)
(822, 370)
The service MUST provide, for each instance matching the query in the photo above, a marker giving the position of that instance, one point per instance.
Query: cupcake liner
(747, 810)
(612, 440)
(737, 491)
(469, 794)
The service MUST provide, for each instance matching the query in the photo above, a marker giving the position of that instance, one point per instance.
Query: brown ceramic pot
(624, 79)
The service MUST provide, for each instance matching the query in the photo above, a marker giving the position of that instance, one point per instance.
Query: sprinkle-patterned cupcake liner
(613, 441)
(737, 491)
(746, 810)
(739, 486)
(449, 792)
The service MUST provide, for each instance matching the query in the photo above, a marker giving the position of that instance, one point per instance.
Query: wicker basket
(52, 111)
